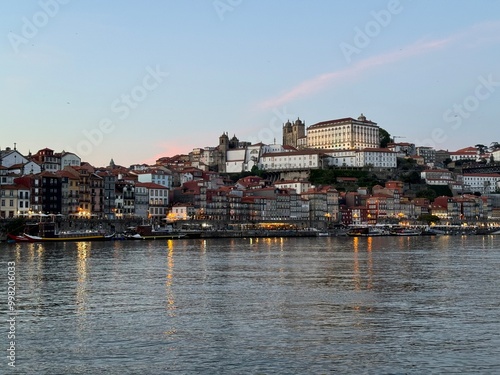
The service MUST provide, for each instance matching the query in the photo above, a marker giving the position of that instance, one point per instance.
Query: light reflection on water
(266, 305)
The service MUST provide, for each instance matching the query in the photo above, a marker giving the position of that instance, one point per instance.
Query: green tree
(429, 194)
(428, 218)
(481, 148)
(385, 137)
(257, 172)
(411, 177)
(322, 177)
(447, 161)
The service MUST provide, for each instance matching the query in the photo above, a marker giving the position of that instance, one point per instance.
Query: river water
(388, 305)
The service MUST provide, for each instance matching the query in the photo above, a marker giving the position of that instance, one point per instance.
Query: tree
(494, 146)
(257, 172)
(429, 194)
(428, 218)
(481, 148)
(461, 162)
(447, 161)
(385, 138)
(411, 177)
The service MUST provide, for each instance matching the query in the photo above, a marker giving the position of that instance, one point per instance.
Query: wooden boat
(45, 232)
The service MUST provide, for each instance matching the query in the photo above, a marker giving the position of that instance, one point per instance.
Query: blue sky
(136, 80)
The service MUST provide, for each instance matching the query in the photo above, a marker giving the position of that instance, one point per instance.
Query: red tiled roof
(150, 185)
(377, 149)
(296, 153)
(497, 175)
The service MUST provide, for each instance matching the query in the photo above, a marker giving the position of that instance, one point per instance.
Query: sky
(133, 81)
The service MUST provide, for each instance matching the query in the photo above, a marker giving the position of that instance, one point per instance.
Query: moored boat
(17, 238)
(60, 238)
(146, 232)
(70, 237)
(45, 232)
(367, 232)
(407, 232)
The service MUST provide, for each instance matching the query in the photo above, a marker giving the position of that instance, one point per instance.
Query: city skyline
(134, 83)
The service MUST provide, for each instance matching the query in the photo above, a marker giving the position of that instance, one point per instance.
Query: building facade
(293, 132)
(345, 133)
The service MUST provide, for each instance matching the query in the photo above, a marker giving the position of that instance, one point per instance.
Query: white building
(9, 157)
(441, 177)
(344, 133)
(244, 159)
(484, 183)
(468, 153)
(30, 167)
(70, 159)
(161, 176)
(496, 155)
(342, 158)
(235, 160)
(299, 186)
(376, 157)
(305, 159)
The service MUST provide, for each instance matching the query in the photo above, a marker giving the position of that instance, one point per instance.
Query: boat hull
(29, 238)
(156, 237)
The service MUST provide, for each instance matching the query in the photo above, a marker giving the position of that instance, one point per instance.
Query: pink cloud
(485, 32)
(169, 149)
(318, 83)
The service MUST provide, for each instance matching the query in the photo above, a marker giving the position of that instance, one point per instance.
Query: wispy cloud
(422, 47)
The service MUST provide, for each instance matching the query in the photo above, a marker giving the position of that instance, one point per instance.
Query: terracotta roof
(377, 149)
(293, 153)
(150, 185)
(497, 175)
